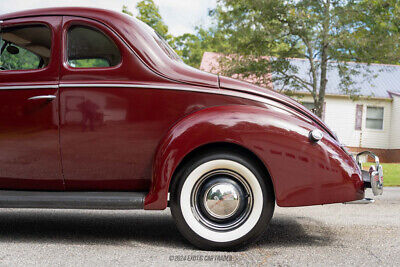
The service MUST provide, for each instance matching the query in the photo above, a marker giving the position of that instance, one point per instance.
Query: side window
(90, 48)
(25, 47)
(374, 118)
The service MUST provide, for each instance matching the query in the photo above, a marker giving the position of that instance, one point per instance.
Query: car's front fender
(303, 172)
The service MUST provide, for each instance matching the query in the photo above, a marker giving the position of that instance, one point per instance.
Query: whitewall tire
(221, 200)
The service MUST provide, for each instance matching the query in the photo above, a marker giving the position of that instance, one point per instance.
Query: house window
(374, 118)
(309, 105)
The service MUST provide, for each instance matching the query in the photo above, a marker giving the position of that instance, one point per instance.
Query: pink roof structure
(384, 81)
(210, 63)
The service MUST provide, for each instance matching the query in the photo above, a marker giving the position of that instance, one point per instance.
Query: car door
(114, 110)
(29, 134)
(100, 142)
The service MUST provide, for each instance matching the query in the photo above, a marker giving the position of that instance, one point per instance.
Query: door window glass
(25, 47)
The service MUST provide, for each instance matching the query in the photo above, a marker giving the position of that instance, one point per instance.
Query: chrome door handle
(47, 97)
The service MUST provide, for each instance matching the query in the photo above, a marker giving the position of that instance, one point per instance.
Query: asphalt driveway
(322, 235)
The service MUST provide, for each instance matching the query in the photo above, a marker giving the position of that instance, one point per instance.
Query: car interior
(88, 47)
(25, 47)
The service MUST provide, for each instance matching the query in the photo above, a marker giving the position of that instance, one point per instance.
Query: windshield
(161, 42)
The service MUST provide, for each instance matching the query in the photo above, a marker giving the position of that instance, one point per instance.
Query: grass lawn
(391, 173)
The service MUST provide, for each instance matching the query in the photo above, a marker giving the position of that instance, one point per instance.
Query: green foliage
(391, 173)
(24, 60)
(89, 63)
(149, 13)
(188, 46)
(191, 47)
(324, 32)
(374, 32)
(126, 10)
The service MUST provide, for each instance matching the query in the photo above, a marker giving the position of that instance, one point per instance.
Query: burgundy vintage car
(98, 112)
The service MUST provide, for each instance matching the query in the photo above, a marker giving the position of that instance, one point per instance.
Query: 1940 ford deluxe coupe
(98, 112)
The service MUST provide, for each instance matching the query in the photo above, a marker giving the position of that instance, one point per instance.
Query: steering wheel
(2, 68)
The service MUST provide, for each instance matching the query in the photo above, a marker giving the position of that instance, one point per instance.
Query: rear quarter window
(88, 47)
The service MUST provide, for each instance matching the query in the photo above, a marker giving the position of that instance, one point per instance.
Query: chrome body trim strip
(161, 87)
(28, 87)
(216, 91)
(121, 85)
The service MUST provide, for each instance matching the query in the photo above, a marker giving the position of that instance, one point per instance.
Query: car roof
(62, 11)
(134, 33)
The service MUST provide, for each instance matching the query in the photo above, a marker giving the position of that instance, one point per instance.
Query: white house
(371, 122)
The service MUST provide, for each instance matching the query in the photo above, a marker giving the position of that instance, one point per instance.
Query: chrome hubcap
(221, 200)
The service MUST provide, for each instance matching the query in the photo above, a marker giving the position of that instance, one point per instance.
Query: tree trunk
(319, 105)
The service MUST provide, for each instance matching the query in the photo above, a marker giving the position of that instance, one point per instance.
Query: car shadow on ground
(288, 231)
(127, 228)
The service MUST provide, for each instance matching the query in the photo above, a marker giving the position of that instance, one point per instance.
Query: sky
(181, 16)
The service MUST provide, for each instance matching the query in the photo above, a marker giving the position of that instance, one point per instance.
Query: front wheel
(221, 201)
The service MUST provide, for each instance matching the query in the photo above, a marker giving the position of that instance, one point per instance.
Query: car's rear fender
(303, 172)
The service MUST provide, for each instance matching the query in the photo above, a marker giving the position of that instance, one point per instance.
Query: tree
(23, 60)
(126, 10)
(374, 32)
(191, 47)
(327, 33)
(149, 13)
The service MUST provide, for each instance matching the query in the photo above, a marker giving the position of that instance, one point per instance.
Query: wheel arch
(220, 127)
(302, 172)
(223, 147)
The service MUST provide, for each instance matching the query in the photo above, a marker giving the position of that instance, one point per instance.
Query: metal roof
(372, 80)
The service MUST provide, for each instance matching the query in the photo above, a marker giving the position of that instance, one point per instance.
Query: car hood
(237, 85)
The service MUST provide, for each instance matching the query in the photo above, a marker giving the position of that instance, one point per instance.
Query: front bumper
(373, 178)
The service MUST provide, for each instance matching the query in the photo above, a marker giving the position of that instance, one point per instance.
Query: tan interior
(36, 39)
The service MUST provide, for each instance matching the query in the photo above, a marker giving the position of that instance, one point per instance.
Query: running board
(72, 200)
